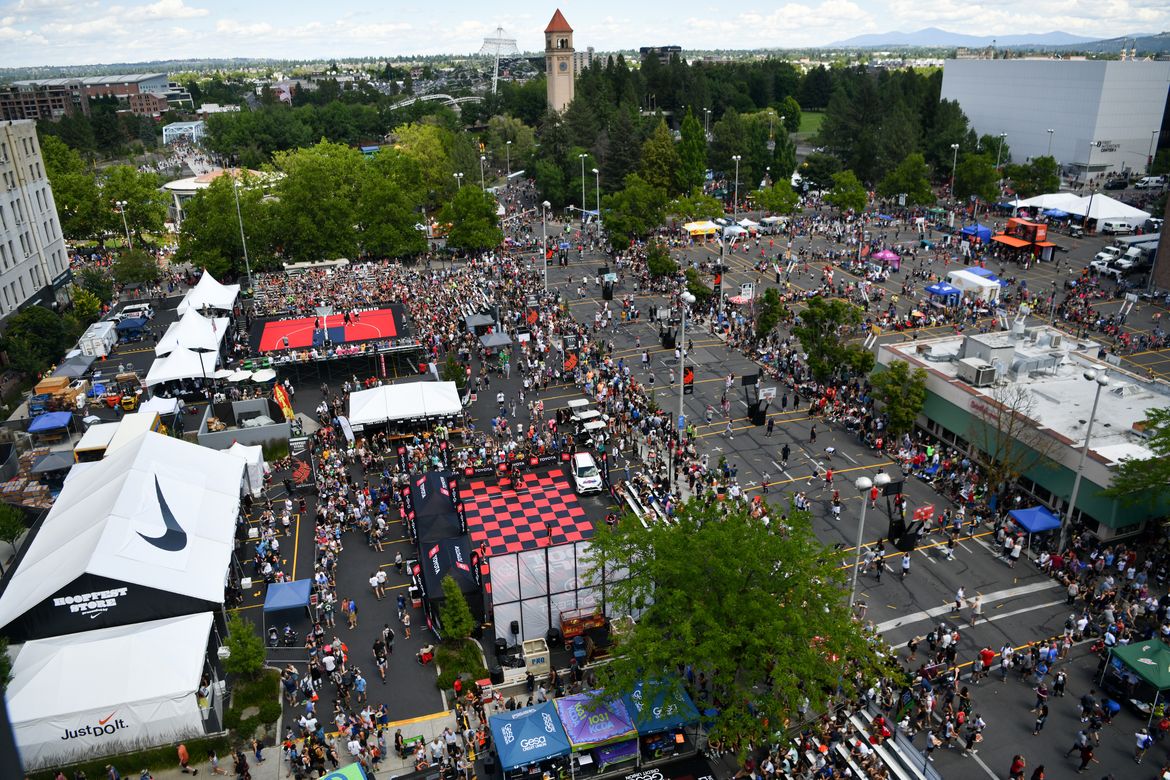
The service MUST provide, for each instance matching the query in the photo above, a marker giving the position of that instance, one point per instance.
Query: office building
(1094, 116)
(34, 265)
(582, 60)
(660, 53)
(146, 94)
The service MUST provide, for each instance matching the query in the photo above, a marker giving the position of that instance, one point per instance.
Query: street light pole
(1102, 381)
(863, 485)
(582, 157)
(1050, 132)
(706, 124)
(597, 190)
(999, 152)
(1150, 156)
(685, 300)
(508, 152)
(121, 206)
(482, 164)
(243, 240)
(735, 203)
(459, 179)
(1054, 303)
(544, 239)
(954, 166)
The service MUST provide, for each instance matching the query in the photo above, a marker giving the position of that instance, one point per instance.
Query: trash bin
(414, 593)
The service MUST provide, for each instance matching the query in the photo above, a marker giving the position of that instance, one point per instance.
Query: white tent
(978, 286)
(181, 364)
(747, 223)
(1101, 207)
(112, 690)
(254, 466)
(159, 405)
(156, 516)
(209, 294)
(1065, 201)
(404, 402)
(193, 331)
(130, 427)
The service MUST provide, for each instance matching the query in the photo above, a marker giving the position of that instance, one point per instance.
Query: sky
(79, 32)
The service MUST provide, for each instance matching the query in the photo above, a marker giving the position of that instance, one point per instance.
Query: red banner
(280, 395)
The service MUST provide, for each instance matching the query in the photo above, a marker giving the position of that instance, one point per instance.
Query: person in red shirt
(1017, 770)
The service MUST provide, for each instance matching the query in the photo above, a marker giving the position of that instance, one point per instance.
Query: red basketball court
(369, 326)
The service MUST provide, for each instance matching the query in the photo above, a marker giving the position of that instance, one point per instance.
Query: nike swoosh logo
(175, 538)
(106, 719)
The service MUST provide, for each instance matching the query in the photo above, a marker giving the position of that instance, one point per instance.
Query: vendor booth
(193, 331)
(1139, 674)
(289, 601)
(530, 741)
(1035, 520)
(145, 534)
(182, 363)
(409, 401)
(79, 696)
(981, 234)
(701, 228)
(974, 285)
(662, 712)
(948, 294)
(601, 731)
(51, 425)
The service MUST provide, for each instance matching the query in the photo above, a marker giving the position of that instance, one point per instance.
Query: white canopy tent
(209, 294)
(404, 402)
(1101, 207)
(1065, 201)
(156, 516)
(978, 286)
(701, 228)
(181, 364)
(144, 695)
(160, 406)
(193, 331)
(747, 223)
(254, 466)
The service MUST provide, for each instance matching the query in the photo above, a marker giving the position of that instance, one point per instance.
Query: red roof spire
(558, 24)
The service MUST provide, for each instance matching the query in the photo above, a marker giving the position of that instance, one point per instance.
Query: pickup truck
(1104, 268)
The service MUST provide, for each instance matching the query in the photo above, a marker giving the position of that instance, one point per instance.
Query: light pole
(1054, 303)
(954, 165)
(1150, 156)
(582, 157)
(864, 485)
(597, 190)
(482, 164)
(1102, 381)
(544, 239)
(120, 207)
(1050, 132)
(508, 153)
(243, 241)
(735, 203)
(459, 179)
(706, 124)
(999, 152)
(685, 299)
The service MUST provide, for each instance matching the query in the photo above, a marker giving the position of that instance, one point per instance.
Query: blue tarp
(944, 289)
(1036, 519)
(982, 232)
(287, 595)
(528, 735)
(984, 273)
(131, 324)
(664, 709)
(50, 421)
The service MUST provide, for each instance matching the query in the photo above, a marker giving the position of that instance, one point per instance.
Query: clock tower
(558, 62)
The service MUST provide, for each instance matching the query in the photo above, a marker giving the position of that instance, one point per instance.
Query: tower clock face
(564, 66)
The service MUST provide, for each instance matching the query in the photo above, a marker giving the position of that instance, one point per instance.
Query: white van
(1151, 183)
(1115, 227)
(144, 310)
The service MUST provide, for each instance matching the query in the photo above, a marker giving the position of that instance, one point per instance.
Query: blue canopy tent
(944, 291)
(131, 327)
(977, 231)
(282, 596)
(661, 712)
(50, 422)
(1035, 520)
(528, 736)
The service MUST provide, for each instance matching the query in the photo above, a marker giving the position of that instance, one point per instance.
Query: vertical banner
(462, 516)
(280, 395)
(445, 455)
(453, 486)
(402, 464)
(475, 563)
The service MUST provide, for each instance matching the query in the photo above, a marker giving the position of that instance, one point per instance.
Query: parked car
(1115, 227)
(586, 477)
(134, 310)
(1117, 184)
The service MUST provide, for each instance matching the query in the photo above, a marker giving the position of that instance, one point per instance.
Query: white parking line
(988, 599)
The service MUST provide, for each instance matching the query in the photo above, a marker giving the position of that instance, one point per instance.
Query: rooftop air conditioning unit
(1055, 340)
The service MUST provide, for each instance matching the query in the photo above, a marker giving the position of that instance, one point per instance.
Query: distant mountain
(1145, 43)
(934, 37)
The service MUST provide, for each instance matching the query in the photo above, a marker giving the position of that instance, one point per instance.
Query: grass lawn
(810, 123)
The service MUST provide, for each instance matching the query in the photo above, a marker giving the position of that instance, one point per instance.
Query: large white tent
(193, 331)
(1101, 207)
(409, 401)
(1065, 201)
(254, 466)
(181, 364)
(144, 534)
(79, 696)
(209, 294)
(978, 286)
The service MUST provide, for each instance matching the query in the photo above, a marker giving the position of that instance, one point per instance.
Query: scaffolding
(494, 46)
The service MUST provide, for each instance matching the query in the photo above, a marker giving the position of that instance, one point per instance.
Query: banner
(717, 285)
(445, 454)
(402, 463)
(280, 395)
(462, 516)
(688, 381)
(453, 486)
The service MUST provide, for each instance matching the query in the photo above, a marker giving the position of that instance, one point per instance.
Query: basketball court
(303, 332)
(544, 512)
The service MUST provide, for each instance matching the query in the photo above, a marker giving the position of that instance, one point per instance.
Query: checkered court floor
(509, 522)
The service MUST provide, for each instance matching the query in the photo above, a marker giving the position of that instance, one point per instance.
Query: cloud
(234, 29)
(169, 9)
(11, 35)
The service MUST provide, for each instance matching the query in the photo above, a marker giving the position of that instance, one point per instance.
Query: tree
(817, 170)
(246, 646)
(1144, 480)
(97, 282)
(911, 178)
(474, 223)
(658, 260)
(634, 211)
(209, 236)
(1161, 163)
(316, 210)
(976, 176)
(146, 205)
(695, 206)
(454, 614)
(758, 611)
(75, 191)
(135, 267)
(847, 193)
(35, 339)
(902, 394)
(692, 154)
(12, 527)
(660, 160)
(822, 329)
(453, 371)
(389, 195)
(769, 313)
(86, 306)
(780, 198)
(501, 130)
(790, 110)
(1006, 437)
(1036, 177)
(697, 287)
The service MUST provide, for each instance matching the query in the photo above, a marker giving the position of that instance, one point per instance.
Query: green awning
(1148, 660)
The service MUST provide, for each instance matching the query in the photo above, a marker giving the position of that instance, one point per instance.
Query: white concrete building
(1103, 114)
(34, 265)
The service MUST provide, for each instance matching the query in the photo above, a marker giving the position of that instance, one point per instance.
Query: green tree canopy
(1145, 480)
(847, 194)
(12, 527)
(209, 236)
(146, 205)
(501, 130)
(771, 309)
(97, 282)
(658, 260)
(35, 339)
(454, 613)
(316, 210)
(86, 306)
(1036, 177)
(780, 198)
(911, 177)
(246, 646)
(692, 154)
(135, 266)
(902, 394)
(473, 219)
(83, 212)
(759, 611)
(976, 176)
(817, 170)
(695, 206)
(660, 159)
(823, 327)
(634, 211)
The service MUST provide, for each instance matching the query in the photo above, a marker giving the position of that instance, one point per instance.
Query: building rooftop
(1059, 396)
(558, 23)
(90, 81)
